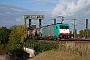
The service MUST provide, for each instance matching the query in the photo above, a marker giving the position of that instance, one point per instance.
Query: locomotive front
(64, 31)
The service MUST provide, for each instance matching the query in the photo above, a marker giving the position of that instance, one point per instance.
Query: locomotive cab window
(64, 27)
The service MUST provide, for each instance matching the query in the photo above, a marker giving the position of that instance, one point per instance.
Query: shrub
(15, 49)
(40, 46)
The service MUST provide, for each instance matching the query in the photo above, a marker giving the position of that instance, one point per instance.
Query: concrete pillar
(29, 22)
(24, 21)
(39, 22)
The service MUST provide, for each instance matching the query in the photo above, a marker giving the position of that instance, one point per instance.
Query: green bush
(14, 50)
(30, 43)
(40, 46)
(4, 35)
(1, 46)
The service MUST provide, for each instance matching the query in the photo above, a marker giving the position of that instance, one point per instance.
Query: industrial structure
(33, 17)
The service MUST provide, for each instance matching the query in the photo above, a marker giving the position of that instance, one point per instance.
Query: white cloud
(70, 7)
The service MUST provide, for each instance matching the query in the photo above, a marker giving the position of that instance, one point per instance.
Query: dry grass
(67, 51)
(56, 55)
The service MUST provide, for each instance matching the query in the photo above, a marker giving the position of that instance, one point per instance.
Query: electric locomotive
(58, 30)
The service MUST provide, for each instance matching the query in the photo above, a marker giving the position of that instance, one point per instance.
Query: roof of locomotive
(57, 24)
(62, 24)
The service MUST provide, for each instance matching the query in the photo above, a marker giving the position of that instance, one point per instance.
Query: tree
(16, 39)
(4, 35)
(11, 28)
(22, 31)
(18, 34)
(81, 33)
(89, 33)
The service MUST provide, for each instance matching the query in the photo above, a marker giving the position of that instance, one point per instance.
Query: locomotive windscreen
(64, 27)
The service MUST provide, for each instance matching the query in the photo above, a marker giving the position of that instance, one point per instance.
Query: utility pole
(74, 27)
(87, 28)
(54, 21)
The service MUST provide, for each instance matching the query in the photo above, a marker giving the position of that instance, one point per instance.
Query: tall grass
(80, 48)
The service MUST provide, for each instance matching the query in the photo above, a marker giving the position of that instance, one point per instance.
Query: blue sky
(33, 4)
(12, 11)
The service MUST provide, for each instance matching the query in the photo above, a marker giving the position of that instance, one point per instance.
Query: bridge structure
(33, 17)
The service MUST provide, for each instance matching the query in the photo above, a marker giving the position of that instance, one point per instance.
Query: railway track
(71, 39)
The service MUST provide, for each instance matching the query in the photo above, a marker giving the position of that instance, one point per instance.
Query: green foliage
(41, 46)
(71, 34)
(13, 27)
(89, 33)
(4, 38)
(83, 33)
(14, 49)
(1, 46)
(4, 35)
(45, 46)
(30, 43)
(16, 39)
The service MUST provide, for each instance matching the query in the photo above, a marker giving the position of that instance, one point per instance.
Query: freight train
(55, 31)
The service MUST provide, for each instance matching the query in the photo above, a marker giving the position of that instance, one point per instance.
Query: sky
(12, 12)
